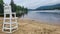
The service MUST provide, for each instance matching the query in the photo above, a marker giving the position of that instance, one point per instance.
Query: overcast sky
(32, 4)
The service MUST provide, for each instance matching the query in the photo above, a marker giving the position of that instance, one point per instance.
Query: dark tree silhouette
(13, 6)
(1, 7)
(20, 10)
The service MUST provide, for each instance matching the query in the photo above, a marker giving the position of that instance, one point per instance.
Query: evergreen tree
(1, 7)
(13, 6)
(18, 9)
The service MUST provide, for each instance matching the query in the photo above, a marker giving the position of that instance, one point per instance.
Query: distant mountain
(50, 7)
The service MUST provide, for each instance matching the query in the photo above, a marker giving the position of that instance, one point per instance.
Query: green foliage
(13, 6)
(1, 1)
(21, 11)
(18, 9)
(1, 7)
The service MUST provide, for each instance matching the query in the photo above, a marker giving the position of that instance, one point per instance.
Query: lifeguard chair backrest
(7, 9)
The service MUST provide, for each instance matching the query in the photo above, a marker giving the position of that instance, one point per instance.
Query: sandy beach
(28, 26)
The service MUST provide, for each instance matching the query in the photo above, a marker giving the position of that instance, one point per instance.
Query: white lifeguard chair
(9, 23)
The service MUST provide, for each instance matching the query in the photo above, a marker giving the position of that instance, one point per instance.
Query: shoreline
(44, 22)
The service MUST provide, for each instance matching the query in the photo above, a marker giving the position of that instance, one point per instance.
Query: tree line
(20, 10)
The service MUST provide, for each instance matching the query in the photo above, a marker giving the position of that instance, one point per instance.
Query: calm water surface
(51, 17)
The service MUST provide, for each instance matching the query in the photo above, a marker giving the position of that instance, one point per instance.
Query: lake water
(45, 16)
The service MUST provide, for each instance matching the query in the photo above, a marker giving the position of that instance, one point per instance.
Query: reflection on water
(52, 17)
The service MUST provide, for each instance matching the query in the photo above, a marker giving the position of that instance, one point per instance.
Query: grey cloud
(34, 3)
